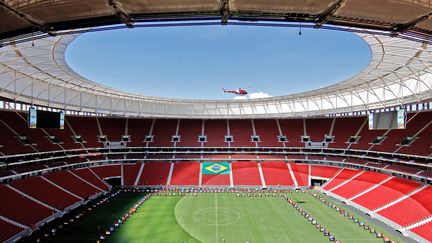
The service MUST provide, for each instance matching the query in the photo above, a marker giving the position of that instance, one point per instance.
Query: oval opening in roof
(197, 62)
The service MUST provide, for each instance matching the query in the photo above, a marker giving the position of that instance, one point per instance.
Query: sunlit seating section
(185, 173)
(301, 173)
(410, 210)
(424, 231)
(389, 191)
(276, 174)
(344, 175)
(246, 174)
(359, 184)
(322, 171)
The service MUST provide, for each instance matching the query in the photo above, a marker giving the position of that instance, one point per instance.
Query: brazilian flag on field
(215, 168)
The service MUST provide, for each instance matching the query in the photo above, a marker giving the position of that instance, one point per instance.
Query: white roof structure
(399, 72)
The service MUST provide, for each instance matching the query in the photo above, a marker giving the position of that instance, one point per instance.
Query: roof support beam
(326, 14)
(37, 24)
(124, 17)
(400, 28)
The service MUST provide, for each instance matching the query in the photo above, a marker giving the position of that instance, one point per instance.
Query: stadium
(345, 162)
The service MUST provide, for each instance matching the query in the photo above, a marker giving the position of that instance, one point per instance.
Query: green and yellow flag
(213, 168)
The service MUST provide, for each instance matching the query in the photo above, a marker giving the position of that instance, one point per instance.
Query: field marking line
(216, 223)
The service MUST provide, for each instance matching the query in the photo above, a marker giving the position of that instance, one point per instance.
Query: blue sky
(196, 62)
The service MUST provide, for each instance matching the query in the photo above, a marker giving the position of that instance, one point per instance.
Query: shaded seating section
(246, 174)
(21, 209)
(301, 173)
(268, 132)
(422, 145)
(155, 173)
(315, 157)
(366, 138)
(189, 130)
(107, 171)
(344, 175)
(130, 173)
(8, 230)
(426, 173)
(113, 128)
(424, 231)
(215, 130)
(5, 173)
(138, 129)
(11, 145)
(87, 128)
(88, 176)
(45, 192)
(72, 184)
(410, 210)
(18, 122)
(293, 130)
(404, 169)
(359, 184)
(163, 131)
(358, 161)
(185, 173)
(241, 130)
(389, 191)
(28, 167)
(344, 128)
(326, 172)
(318, 128)
(65, 136)
(243, 157)
(276, 174)
(415, 122)
(296, 157)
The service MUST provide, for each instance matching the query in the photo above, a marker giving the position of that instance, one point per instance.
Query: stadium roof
(397, 32)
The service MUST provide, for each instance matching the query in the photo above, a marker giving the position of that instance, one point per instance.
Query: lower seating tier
(424, 231)
(386, 193)
(43, 191)
(71, 183)
(276, 174)
(8, 230)
(185, 173)
(21, 209)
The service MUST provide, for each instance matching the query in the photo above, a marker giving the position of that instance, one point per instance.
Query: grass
(211, 217)
(86, 228)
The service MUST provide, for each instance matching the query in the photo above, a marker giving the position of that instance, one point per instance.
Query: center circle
(216, 216)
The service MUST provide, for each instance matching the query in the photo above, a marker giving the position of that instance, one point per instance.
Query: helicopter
(238, 91)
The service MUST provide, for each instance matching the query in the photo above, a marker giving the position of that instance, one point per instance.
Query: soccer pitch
(224, 217)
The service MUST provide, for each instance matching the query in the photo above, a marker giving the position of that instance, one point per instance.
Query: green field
(86, 228)
(215, 217)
